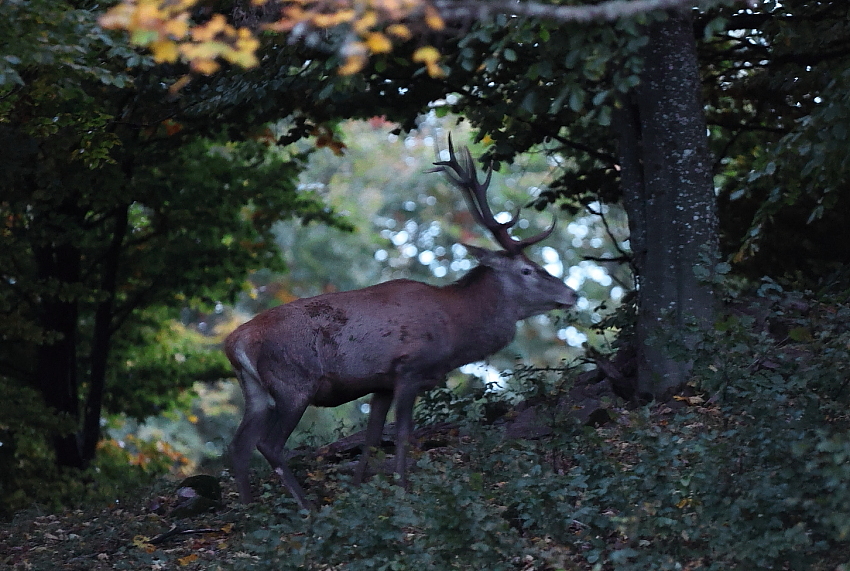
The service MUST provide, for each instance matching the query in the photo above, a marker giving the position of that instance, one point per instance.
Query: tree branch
(462, 10)
(624, 256)
(605, 158)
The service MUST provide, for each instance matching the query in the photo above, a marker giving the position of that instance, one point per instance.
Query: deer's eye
(526, 271)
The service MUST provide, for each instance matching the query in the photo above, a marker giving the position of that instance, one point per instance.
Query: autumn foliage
(168, 29)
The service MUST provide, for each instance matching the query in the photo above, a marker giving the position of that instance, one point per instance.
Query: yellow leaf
(378, 43)
(290, 16)
(426, 54)
(164, 51)
(204, 66)
(345, 16)
(355, 58)
(244, 59)
(333, 19)
(179, 84)
(245, 53)
(324, 20)
(146, 16)
(366, 22)
(202, 50)
(211, 29)
(245, 35)
(429, 56)
(433, 19)
(353, 64)
(689, 400)
(177, 27)
(435, 71)
(400, 31)
(143, 542)
(117, 17)
(183, 561)
(393, 8)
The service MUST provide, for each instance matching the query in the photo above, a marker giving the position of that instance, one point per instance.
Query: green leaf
(600, 98)
(604, 116)
(800, 334)
(577, 100)
(529, 102)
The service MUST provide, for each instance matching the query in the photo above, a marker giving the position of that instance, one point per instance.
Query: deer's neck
(481, 291)
(484, 319)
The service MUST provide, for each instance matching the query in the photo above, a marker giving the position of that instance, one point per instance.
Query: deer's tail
(242, 362)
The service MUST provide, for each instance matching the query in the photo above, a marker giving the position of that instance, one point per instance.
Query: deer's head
(520, 277)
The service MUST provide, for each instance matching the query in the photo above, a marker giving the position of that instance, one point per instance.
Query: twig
(176, 530)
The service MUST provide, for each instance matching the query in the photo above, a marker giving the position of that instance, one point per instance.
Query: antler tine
(479, 189)
(456, 175)
(531, 240)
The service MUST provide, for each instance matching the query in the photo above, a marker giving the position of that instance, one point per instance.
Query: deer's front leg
(405, 398)
(378, 409)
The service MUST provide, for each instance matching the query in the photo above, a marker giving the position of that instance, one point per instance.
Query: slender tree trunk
(102, 338)
(56, 366)
(669, 196)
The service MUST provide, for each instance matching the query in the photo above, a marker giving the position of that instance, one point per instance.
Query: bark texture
(669, 196)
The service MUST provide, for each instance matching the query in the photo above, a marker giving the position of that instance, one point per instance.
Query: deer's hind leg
(249, 433)
(290, 402)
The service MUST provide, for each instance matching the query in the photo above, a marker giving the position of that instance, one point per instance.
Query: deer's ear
(486, 257)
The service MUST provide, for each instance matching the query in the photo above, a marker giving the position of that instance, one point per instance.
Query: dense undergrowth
(750, 471)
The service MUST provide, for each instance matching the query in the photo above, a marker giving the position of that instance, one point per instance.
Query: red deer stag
(393, 340)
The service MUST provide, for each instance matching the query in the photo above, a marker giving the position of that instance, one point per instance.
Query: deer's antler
(461, 172)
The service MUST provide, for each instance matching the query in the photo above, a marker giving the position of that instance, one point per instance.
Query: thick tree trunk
(669, 196)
